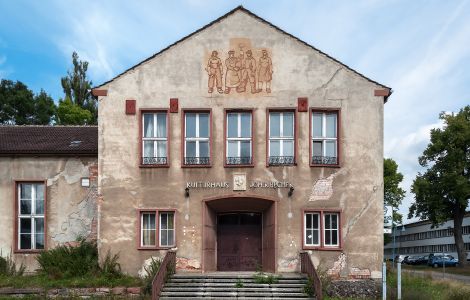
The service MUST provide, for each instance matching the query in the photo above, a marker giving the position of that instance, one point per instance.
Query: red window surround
(322, 247)
(157, 212)
(338, 136)
(240, 110)
(183, 130)
(140, 141)
(281, 109)
(15, 220)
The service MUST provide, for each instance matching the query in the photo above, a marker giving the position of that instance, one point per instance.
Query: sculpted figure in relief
(214, 70)
(265, 71)
(232, 65)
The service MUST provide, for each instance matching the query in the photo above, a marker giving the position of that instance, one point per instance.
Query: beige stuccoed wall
(70, 208)
(299, 71)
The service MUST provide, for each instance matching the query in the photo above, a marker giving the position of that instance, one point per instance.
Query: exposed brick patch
(183, 263)
(356, 273)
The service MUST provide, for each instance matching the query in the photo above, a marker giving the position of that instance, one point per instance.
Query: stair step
(231, 284)
(231, 294)
(230, 280)
(232, 289)
(244, 298)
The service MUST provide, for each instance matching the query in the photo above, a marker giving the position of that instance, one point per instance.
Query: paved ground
(439, 275)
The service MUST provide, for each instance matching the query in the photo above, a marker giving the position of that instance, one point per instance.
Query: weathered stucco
(70, 208)
(356, 187)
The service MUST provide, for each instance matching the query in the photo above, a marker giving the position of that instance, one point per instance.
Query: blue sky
(419, 48)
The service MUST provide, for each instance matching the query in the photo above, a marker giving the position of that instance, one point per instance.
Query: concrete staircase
(233, 286)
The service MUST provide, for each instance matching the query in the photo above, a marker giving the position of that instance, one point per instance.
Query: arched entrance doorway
(239, 234)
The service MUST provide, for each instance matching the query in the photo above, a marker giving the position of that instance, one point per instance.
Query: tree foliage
(77, 88)
(19, 105)
(393, 193)
(69, 113)
(442, 192)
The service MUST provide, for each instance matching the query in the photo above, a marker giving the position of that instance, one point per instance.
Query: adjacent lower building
(419, 238)
(239, 146)
(48, 188)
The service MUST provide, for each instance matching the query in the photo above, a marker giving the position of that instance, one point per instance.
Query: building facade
(419, 238)
(241, 146)
(48, 188)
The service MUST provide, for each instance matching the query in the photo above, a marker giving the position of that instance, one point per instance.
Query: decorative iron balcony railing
(281, 160)
(324, 160)
(239, 160)
(154, 160)
(196, 160)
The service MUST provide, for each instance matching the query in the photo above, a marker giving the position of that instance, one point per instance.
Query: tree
(19, 105)
(69, 113)
(442, 192)
(393, 193)
(77, 88)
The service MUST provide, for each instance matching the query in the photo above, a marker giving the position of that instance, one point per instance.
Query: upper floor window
(30, 219)
(154, 138)
(197, 138)
(239, 138)
(281, 138)
(324, 138)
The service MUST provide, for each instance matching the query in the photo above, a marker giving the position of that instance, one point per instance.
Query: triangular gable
(385, 93)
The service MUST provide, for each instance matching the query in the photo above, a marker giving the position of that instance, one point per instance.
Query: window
(324, 138)
(239, 138)
(197, 138)
(150, 233)
(154, 138)
(322, 230)
(281, 138)
(31, 212)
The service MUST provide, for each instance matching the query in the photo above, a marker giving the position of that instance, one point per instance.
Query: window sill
(325, 166)
(318, 248)
(196, 166)
(156, 248)
(25, 251)
(238, 166)
(153, 166)
(282, 165)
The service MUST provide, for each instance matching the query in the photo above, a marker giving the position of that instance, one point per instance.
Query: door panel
(239, 242)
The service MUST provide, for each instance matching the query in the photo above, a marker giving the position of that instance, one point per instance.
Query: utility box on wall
(130, 107)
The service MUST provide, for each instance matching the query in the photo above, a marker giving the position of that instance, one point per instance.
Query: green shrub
(151, 271)
(325, 279)
(110, 266)
(68, 261)
(260, 277)
(239, 283)
(8, 266)
(309, 288)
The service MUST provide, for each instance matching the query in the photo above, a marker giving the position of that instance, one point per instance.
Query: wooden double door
(239, 241)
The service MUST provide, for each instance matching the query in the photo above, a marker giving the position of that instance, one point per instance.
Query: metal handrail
(167, 268)
(307, 267)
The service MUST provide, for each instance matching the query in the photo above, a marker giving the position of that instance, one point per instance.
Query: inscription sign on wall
(239, 184)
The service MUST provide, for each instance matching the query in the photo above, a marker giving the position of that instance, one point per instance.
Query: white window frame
(331, 230)
(167, 231)
(31, 216)
(281, 138)
(155, 139)
(142, 213)
(239, 139)
(319, 229)
(323, 139)
(197, 139)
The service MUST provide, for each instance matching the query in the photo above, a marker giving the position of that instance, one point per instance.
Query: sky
(420, 48)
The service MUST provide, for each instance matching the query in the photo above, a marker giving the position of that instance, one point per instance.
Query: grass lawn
(451, 270)
(43, 281)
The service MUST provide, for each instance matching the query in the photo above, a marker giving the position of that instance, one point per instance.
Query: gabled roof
(49, 140)
(241, 8)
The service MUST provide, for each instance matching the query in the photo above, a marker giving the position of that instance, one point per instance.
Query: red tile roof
(55, 140)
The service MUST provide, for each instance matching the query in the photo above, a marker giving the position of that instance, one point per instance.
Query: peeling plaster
(322, 188)
(183, 263)
(74, 170)
(79, 222)
(338, 266)
(288, 263)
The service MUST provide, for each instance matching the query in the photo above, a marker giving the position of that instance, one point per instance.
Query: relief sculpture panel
(245, 69)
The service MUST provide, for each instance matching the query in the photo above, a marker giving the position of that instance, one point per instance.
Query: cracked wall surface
(70, 208)
(355, 188)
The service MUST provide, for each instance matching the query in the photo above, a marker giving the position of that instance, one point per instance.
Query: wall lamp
(291, 191)
(186, 192)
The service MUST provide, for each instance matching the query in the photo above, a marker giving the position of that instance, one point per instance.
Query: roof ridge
(241, 8)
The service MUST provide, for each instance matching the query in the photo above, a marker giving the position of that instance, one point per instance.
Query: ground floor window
(31, 215)
(157, 229)
(321, 229)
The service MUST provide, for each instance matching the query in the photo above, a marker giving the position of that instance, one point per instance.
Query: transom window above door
(154, 138)
(239, 138)
(281, 142)
(197, 138)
